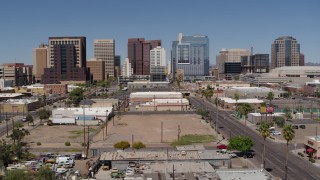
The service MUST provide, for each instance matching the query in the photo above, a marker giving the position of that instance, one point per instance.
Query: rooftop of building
(247, 174)
(148, 82)
(285, 38)
(233, 101)
(298, 68)
(19, 101)
(253, 89)
(156, 93)
(10, 95)
(163, 155)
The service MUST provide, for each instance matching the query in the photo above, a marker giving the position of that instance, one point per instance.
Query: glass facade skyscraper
(191, 54)
(285, 51)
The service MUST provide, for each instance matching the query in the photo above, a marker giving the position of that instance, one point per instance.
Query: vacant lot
(147, 128)
(56, 136)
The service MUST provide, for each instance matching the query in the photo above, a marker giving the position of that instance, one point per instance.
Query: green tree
(76, 96)
(17, 175)
(286, 94)
(5, 152)
(244, 109)
(45, 173)
(43, 114)
(240, 143)
(279, 121)
(30, 119)
(122, 145)
(287, 113)
(236, 97)
(270, 96)
(265, 132)
(18, 134)
(288, 135)
(138, 145)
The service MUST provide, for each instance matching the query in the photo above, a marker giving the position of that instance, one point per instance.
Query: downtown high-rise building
(66, 60)
(230, 57)
(158, 64)
(104, 50)
(117, 66)
(40, 56)
(139, 54)
(285, 51)
(190, 54)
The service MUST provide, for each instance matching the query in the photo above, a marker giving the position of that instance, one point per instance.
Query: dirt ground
(56, 136)
(147, 128)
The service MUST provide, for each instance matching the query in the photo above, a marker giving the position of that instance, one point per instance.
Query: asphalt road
(275, 152)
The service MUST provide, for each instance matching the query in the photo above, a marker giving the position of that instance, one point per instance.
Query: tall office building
(117, 66)
(158, 64)
(17, 73)
(104, 50)
(285, 51)
(40, 56)
(230, 56)
(258, 63)
(191, 54)
(67, 60)
(139, 54)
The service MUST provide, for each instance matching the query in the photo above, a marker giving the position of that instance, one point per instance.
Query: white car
(276, 133)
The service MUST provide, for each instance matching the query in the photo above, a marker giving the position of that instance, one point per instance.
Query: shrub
(300, 154)
(312, 160)
(122, 145)
(67, 143)
(38, 143)
(138, 145)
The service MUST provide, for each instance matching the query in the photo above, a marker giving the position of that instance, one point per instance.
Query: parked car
(222, 146)
(302, 126)
(24, 119)
(295, 126)
(276, 133)
(246, 154)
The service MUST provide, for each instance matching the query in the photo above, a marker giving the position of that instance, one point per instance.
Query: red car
(222, 146)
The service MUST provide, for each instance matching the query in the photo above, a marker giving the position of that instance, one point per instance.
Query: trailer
(70, 121)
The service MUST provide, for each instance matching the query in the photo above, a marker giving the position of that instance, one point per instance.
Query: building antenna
(251, 50)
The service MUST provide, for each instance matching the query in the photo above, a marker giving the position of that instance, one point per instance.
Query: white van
(64, 160)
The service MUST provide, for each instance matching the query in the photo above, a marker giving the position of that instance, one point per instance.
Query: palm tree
(236, 97)
(265, 132)
(288, 134)
(244, 109)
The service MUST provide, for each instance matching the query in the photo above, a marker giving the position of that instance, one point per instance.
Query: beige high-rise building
(97, 69)
(230, 55)
(18, 73)
(39, 61)
(285, 51)
(104, 50)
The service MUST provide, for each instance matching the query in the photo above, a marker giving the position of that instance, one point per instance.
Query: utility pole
(106, 123)
(132, 139)
(84, 125)
(173, 171)
(87, 143)
(179, 131)
(216, 125)
(161, 131)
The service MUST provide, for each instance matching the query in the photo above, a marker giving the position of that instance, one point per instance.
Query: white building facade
(127, 69)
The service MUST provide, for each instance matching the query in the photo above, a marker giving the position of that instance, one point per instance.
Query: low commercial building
(255, 118)
(222, 84)
(91, 116)
(252, 92)
(149, 96)
(312, 146)
(56, 88)
(147, 85)
(165, 105)
(19, 106)
(228, 174)
(37, 89)
(229, 103)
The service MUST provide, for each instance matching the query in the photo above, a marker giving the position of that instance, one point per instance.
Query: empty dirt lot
(56, 136)
(147, 128)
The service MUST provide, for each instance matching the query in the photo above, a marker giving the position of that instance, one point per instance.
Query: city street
(275, 152)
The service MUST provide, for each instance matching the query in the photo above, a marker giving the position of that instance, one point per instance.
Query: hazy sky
(24, 24)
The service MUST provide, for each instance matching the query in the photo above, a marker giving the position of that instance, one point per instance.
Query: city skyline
(228, 24)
